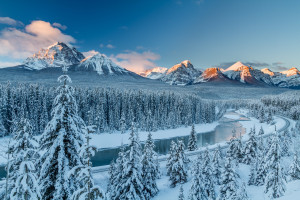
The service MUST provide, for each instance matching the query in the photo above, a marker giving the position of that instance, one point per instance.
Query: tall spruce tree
(192, 145)
(117, 179)
(149, 169)
(217, 166)
(61, 141)
(178, 173)
(197, 190)
(275, 180)
(208, 182)
(294, 170)
(250, 148)
(86, 187)
(229, 185)
(181, 195)
(23, 174)
(132, 186)
(170, 161)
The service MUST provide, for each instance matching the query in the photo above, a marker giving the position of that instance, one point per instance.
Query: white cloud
(17, 43)
(10, 21)
(8, 64)
(136, 62)
(90, 53)
(110, 46)
(60, 26)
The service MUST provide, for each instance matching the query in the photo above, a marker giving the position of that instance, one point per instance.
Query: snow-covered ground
(254, 192)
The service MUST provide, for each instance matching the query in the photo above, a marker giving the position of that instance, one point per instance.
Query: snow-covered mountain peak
(181, 74)
(154, 73)
(291, 72)
(236, 66)
(183, 64)
(102, 65)
(267, 71)
(57, 55)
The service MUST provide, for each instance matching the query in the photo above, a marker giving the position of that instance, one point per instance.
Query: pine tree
(229, 185)
(207, 174)
(216, 166)
(286, 142)
(61, 141)
(197, 191)
(261, 131)
(192, 145)
(275, 180)
(233, 150)
(111, 180)
(242, 195)
(132, 187)
(117, 179)
(181, 195)
(170, 161)
(149, 169)
(250, 148)
(178, 173)
(23, 179)
(2, 128)
(294, 170)
(87, 189)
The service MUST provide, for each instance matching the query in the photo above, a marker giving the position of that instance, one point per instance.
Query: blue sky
(145, 34)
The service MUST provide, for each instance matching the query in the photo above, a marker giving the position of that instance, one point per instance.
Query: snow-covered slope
(102, 65)
(56, 55)
(181, 74)
(211, 74)
(289, 78)
(154, 73)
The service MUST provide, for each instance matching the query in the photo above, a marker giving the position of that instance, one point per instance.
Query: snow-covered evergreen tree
(242, 195)
(2, 128)
(132, 186)
(117, 179)
(197, 191)
(192, 145)
(149, 169)
(181, 195)
(294, 170)
(233, 150)
(178, 172)
(23, 173)
(275, 180)
(61, 141)
(208, 182)
(261, 131)
(250, 148)
(86, 187)
(170, 161)
(217, 166)
(229, 185)
(285, 143)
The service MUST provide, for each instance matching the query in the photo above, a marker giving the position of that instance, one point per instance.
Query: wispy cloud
(109, 46)
(10, 21)
(124, 27)
(90, 53)
(8, 64)
(60, 26)
(135, 61)
(19, 43)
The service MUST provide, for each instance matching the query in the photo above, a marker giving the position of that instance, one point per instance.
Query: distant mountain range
(184, 73)
(60, 54)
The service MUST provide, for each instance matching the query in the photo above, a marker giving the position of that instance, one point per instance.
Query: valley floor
(254, 192)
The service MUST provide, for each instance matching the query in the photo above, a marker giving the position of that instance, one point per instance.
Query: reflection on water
(223, 132)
